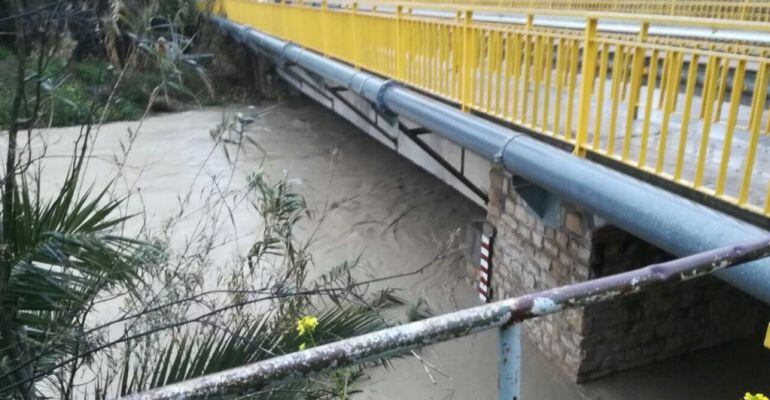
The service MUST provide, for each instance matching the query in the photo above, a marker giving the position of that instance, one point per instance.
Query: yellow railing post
(400, 56)
(757, 105)
(457, 45)
(282, 14)
(586, 85)
(600, 86)
(356, 38)
(732, 119)
(528, 36)
(673, 82)
(689, 93)
(324, 27)
(708, 81)
(652, 73)
(636, 79)
(743, 10)
(466, 63)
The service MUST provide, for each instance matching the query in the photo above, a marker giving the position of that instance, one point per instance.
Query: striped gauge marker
(484, 268)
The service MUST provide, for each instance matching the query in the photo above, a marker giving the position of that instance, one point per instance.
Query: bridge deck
(577, 86)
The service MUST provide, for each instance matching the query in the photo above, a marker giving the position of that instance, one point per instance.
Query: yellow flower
(306, 325)
(303, 346)
(757, 396)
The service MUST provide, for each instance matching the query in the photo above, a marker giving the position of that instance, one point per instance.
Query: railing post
(637, 72)
(509, 363)
(356, 38)
(282, 14)
(400, 56)
(457, 58)
(466, 67)
(743, 10)
(324, 27)
(586, 85)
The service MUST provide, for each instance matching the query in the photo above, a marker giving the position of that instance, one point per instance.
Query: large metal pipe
(663, 219)
(368, 347)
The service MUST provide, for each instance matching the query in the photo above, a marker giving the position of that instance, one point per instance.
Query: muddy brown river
(367, 201)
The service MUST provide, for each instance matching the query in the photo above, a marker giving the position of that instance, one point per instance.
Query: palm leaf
(63, 253)
(204, 350)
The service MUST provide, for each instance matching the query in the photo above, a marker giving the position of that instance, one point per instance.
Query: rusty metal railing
(505, 314)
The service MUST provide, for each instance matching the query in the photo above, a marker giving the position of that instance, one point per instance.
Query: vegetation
(143, 57)
(72, 89)
(67, 258)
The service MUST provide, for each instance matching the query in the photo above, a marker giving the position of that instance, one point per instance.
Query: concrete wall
(532, 253)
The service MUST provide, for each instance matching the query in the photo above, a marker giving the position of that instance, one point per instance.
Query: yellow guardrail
(728, 9)
(686, 114)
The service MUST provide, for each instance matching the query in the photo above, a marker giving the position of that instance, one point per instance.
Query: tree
(62, 256)
(55, 254)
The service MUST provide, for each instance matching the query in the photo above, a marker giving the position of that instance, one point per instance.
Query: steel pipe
(368, 347)
(661, 218)
(509, 362)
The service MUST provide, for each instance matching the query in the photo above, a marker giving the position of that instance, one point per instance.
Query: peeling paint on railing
(441, 328)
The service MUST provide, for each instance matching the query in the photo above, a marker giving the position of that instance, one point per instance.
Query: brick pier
(545, 243)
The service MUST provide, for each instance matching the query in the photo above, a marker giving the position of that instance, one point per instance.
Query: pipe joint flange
(283, 57)
(380, 105)
(498, 158)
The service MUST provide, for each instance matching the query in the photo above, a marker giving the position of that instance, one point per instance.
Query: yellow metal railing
(687, 114)
(727, 9)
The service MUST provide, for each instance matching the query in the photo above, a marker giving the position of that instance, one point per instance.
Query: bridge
(691, 113)
(600, 135)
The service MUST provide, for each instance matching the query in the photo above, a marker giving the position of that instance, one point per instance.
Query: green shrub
(70, 103)
(138, 85)
(92, 72)
(72, 91)
(5, 53)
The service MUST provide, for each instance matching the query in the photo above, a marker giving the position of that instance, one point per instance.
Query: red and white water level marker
(484, 268)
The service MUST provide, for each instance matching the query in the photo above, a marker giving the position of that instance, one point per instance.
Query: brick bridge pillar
(543, 243)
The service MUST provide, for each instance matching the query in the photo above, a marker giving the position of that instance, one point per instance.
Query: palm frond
(205, 350)
(63, 253)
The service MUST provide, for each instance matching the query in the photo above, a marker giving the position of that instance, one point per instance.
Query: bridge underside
(461, 169)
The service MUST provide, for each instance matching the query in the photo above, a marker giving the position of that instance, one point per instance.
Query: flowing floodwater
(366, 201)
